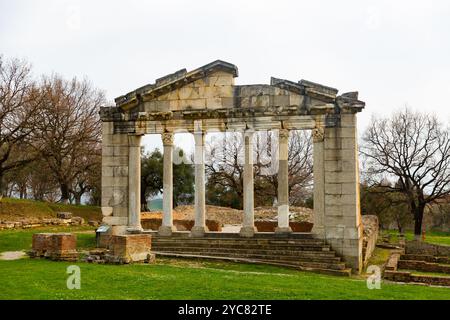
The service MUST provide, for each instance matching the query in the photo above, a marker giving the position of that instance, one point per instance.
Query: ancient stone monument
(207, 100)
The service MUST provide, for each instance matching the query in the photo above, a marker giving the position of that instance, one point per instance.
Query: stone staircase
(298, 251)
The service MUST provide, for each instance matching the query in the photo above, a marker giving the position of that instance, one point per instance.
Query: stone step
(254, 254)
(241, 241)
(255, 246)
(328, 256)
(225, 235)
(339, 272)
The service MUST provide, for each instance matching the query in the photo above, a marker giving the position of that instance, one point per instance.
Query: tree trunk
(77, 197)
(65, 196)
(418, 218)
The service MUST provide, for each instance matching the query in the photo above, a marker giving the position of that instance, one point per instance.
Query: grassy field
(172, 279)
(11, 208)
(436, 237)
(180, 279)
(20, 239)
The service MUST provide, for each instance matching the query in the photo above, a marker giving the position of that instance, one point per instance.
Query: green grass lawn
(42, 279)
(11, 208)
(180, 279)
(20, 239)
(436, 237)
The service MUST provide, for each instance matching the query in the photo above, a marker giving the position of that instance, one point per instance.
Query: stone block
(64, 215)
(295, 99)
(115, 221)
(41, 243)
(227, 102)
(334, 188)
(281, 101)
(107, 128)
(56, 246)
(339, 177)
(107, 171)
(348, 120)
(120, 171)
(107, 150)
(120, 150)
(214, 103)
(130, 248)
(193, 104)
(115, 161)
(260, 101)
(120, 139)
(336, 132)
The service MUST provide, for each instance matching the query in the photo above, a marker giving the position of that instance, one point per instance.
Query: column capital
(248, 133)
(318, 134)
(134, 140)
(283, 134)
(199, 138)
(167, 138)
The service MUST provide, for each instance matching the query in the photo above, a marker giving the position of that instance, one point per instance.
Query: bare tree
(68, 131)
(19, 103)
(225, 166)
(413, 148)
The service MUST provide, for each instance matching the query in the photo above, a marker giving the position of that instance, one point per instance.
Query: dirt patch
(12, 255)
(231, 216)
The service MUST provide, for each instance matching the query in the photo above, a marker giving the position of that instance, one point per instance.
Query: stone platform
(300, 251)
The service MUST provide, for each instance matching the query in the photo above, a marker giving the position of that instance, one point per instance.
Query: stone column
(283, 183)
(167, 227)
(199, 228)
(248, 227)
(342, 219)
(134, 183)
(319, 182)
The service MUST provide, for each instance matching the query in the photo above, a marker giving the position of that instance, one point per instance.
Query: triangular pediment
(173, 82)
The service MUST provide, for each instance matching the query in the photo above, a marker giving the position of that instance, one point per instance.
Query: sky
(395, 53)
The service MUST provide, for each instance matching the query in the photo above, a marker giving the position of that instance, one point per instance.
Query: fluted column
(199, 228)
(283, 183)
(248, 227)
(134, 184)
(167, 227)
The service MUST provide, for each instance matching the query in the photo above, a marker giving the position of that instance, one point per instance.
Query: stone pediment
(211, 87)
(177, 80)
(209, 93)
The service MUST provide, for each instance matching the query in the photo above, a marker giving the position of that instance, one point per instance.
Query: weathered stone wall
(212, 92)
(115, 148)
(341, 208)
(420, 247)
(370, 236)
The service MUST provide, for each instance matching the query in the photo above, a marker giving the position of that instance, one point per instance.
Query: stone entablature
(207, 100)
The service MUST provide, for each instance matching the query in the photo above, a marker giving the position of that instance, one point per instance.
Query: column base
(283, 230)
(134, 229)
(247, 232)
(166, 231)
(197, 231)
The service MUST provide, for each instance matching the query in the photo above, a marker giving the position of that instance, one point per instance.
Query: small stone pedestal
(41, 243)
(130, 248)
(56, 246)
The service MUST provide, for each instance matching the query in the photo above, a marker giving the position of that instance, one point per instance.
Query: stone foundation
(55, 246)
(130, 248)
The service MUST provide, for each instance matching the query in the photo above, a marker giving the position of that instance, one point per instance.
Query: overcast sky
(394, 53)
